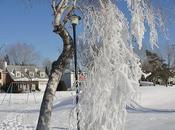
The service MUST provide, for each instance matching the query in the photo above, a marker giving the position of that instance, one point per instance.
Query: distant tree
(47, 64)
(6, 58)
(170, 54)
(2, 55)
(152, 63)
(157, 67)
(165, 73)
(22, 54)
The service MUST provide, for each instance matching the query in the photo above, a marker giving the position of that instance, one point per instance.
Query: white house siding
(68, 78)
(72, 79)
(172, 80)
(42, 85)
(1, 79)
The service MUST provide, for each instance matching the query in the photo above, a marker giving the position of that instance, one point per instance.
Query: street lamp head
(74, 19)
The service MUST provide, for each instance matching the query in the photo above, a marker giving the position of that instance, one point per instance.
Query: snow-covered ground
(20, 111)
(154, 109)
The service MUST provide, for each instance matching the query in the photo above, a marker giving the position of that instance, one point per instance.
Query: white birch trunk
(58, 67)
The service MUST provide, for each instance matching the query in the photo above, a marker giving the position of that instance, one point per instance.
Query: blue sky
(32, 25)
(20, 22)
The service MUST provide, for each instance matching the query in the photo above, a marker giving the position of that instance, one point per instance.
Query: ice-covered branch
(141, 12)
(103, 3)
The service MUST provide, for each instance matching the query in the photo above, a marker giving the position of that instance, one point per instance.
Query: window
(18, 74)
(31, 74)
(42, 74)
(36, 70)
(25, 70)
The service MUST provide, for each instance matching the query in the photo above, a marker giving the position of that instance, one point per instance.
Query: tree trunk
(57, 70)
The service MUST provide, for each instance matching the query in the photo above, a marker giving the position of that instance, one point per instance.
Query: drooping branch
(103, 3)
(58, 66)
(74, 2)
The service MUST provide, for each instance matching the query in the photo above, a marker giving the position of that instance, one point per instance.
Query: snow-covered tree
(107, 55)
(47, 64)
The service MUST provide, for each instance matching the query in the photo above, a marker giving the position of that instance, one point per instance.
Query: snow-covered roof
(26, 73)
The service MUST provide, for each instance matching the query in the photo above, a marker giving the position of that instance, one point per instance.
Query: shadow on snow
(134, 107)
(64, 104)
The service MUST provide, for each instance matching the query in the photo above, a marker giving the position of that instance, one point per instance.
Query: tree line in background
(159, 69)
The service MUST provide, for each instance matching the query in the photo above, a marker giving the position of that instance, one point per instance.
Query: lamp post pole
(74, 19)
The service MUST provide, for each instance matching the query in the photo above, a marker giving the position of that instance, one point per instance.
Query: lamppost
(74, 20)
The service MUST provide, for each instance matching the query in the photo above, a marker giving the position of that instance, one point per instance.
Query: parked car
(146, 83)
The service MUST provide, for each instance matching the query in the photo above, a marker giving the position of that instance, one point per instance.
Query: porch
(22, 86)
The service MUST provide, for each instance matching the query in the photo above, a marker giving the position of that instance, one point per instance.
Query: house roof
(27, 73)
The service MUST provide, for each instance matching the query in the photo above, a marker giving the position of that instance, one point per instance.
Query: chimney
(25, 70)
(5, 65)
(36, 70)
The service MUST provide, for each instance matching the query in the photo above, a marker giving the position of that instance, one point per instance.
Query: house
(27, 78)
(68, 78)
(23, 78)
(2, 77)
(171, 80)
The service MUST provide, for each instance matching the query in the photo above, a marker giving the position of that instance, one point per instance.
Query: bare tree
(47, 64)
(2, 56)
(22, 53)
(170, 54)
(57, 67)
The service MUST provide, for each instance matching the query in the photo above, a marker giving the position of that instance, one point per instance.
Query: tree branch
(60, 8)
(53, 5)
(103, 3)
